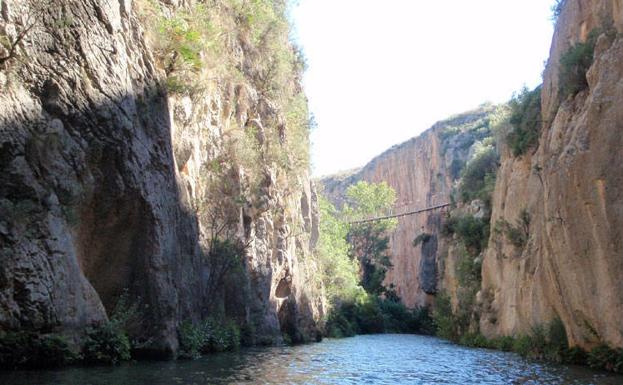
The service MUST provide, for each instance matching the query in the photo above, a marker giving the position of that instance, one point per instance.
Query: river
(372, 359)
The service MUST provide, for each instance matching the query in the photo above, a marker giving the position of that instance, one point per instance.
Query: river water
(373, 359)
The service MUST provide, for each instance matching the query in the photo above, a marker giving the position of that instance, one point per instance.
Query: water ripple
(376, 359)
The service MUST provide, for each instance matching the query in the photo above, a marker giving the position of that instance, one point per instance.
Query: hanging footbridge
(403, 213)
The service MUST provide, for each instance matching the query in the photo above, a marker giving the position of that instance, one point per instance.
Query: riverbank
(373, 359)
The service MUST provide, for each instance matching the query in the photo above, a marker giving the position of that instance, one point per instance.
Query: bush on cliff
(574, 64)
(607, 358)
(31, 350)
(109, 342)
(517, 234)
(106, 343)
(525, 118)
(471, 231)
(478, 177)
(209, 336)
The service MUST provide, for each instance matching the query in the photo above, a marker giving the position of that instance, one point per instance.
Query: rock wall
(103, 179)
(571, 185)
(420, 171)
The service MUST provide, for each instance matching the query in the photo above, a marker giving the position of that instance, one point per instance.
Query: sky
(381, 72)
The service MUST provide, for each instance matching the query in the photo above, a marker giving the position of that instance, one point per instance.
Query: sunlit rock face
(571, 185)
(422, 171)
(103, 182)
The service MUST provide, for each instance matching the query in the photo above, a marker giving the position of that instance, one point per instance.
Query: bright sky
(381, 72)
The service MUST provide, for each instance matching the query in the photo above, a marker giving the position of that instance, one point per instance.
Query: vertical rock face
(103, 178)
(571, 185)
(422, 171)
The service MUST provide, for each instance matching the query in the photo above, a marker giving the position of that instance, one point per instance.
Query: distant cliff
(135, 134)
(423, 171)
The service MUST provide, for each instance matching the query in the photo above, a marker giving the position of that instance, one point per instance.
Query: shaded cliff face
(104, 183)
(571, 185)
(423, 172)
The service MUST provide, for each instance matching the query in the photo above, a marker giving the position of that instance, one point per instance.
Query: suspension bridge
(405, 213)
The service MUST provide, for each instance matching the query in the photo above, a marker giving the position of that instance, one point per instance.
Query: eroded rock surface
(103, 178)
(571, 185)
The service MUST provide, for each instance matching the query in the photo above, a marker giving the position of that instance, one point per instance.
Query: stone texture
(101, 184)
(571, 185)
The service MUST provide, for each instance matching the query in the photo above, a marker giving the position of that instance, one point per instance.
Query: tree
(369, 240)
(339, 270)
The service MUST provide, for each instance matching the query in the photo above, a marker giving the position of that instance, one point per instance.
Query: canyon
(568, 185)
(141, 141)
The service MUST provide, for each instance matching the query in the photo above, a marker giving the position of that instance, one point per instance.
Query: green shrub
(248, 334)
(522, 345)
(338, 326)
(474, 340)
(478, 177)
(106, 343)
(191, 339)
(456, 167)
(525, 119)
(575, 356)
(607, 358)
(518, 234)
(208, 337)
(377, 315)
(31, 350)
(443, 318)
(220, 336)
(468, 271)
(574, 64)
(504, 343)
(472, 231)
(370, 319)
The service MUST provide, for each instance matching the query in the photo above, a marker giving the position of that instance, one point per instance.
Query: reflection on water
(375, 359)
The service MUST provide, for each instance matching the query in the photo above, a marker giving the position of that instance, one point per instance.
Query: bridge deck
(390, 216)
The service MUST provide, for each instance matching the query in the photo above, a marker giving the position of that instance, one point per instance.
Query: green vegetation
(478, 177)
(199, 47)
(545, 342)
(109, 342)
(471, 231)
(21, 349)
(368, 315)
(518, 234)
(353, 260)
(106, 343)
(459, 135)
(606, 358)
(339, 271)
(574, 64)
(525, 119)
(208, 336)
(225, 259)
(369, 241)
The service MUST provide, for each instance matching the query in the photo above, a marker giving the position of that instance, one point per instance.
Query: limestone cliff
(565, 191)
(571, 185)
(112, 175)
(423, 172)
